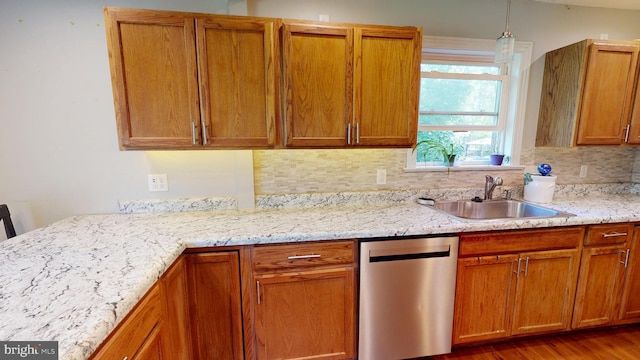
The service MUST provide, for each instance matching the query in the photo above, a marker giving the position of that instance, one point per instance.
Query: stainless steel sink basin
(496, 209)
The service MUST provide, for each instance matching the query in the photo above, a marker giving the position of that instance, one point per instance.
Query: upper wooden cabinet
(184, 80)
(350, 85)
(587, 95)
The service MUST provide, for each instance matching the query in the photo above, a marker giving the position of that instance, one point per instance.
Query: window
(469, 103)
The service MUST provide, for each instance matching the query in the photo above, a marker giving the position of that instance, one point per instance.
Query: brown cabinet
(630, 301)
(184, 80)
(305, 301)
(215, 303)
(176, 311)
(515, 282)
(140, 334)
(350, 85)
(587, 95)
(545, 291)
(602, 272)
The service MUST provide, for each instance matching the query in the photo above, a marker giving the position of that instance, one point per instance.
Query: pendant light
(505, 43)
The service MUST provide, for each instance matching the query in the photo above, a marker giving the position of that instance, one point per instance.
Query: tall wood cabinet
(184, 80)
(515, 282)
(630, 301)
(305, 301)
(602, 272)
(587, 95)
(350, 85)
(215, 303)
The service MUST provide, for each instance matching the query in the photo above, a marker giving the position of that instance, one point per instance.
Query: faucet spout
(490, 185)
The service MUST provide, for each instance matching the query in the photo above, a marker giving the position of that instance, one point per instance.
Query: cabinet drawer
(508, 242)
(289, 256)
(133, 331)
(608, 234)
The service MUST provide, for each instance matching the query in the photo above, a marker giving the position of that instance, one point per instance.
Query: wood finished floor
(613, 344)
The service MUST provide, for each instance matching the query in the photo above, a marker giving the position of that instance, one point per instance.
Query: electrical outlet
(324, 17)
(583, 171)
(158, 182)
(381, 177)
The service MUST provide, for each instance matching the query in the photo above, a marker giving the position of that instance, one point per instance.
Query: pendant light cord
(506, 30)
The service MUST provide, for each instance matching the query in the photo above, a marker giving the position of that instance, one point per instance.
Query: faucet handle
(507, 194)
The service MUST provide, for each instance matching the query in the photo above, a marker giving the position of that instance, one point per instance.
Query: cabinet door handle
(614, 234)
(193, 132)
(258, 288)
(357, 133)
(626, 133)
(297, 257)
(205, 141)
(349, 134)
(626, 258)
(518, 270)
(526, 267)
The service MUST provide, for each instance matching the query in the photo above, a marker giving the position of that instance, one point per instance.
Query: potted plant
(448, 152)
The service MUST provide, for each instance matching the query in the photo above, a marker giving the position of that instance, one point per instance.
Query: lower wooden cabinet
(215, 303)
(485, 290)
(507, 284)
(305, 306)
(545, 291)
(176, 311)
(140, 334)
(630, 301)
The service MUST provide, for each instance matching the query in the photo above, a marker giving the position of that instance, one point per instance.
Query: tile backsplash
(330, 170)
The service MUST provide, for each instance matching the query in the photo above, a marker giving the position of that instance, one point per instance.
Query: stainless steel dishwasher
(407, 289)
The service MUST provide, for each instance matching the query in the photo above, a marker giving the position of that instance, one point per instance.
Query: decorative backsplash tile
(346, 170)
(310, 171)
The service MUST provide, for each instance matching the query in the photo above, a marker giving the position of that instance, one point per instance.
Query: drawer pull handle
(614, 234)
(298, 257)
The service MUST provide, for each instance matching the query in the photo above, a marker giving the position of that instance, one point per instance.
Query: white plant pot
(541, 189)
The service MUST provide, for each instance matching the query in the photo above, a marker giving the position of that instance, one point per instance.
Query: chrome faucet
(490, 185)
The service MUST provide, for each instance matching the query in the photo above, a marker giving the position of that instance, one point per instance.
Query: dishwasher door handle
(409, 254)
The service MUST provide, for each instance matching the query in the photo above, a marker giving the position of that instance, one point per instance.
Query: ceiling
(614, 4)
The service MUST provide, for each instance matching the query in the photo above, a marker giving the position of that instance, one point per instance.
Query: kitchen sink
(495, 209)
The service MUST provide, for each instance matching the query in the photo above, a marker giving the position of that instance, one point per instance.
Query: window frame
(481, 51)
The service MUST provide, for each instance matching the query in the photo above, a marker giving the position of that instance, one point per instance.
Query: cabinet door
(153, 72)
(605, 107)
(308, 315)
(141, 329)
(216, 317)
(176, 313)
(386, 85)
(238, 70)
(318, 72)
(630, 303)
(485, 288)
(545, 291)
(601, 273)
(152, 349)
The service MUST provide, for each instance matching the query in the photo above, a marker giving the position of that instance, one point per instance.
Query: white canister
(540, 189)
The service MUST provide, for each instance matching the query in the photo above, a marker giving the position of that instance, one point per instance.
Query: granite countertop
(75, 280)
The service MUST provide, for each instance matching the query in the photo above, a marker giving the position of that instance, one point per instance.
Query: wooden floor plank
(622, 343)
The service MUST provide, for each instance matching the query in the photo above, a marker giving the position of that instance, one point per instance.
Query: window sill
(464, 168)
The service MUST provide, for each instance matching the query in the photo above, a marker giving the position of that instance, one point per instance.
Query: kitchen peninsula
(75, 280)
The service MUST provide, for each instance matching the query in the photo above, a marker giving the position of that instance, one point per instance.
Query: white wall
(58, 147)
